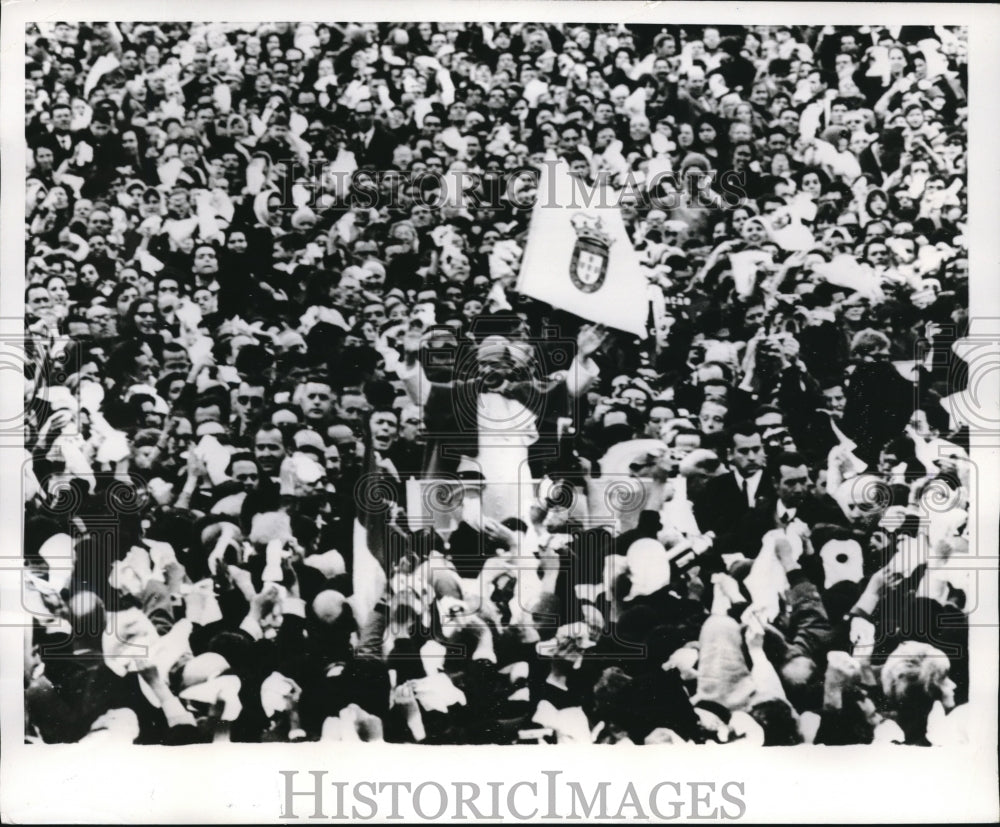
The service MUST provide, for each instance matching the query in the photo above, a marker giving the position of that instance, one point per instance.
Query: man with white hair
(489, 416)
(691, 97)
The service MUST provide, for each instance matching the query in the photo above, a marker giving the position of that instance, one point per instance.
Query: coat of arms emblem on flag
(588, 266)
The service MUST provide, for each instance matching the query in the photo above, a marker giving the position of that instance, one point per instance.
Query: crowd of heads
(266, 334)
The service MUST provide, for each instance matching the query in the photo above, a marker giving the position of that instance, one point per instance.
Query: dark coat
(746, 535)
(722, 505)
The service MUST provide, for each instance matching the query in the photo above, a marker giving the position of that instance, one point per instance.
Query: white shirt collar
(782, 511)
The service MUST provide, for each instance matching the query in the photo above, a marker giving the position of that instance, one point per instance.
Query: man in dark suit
(727, 498)
(791, 503)
(371, 144)
(60, 139)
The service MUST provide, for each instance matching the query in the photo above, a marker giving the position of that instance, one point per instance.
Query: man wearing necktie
(372, 145)
(792, 508)
(61, 138)
(727, 498)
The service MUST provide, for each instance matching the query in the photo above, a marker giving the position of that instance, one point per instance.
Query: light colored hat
(210, 429)
(648, 567)
(308, 437)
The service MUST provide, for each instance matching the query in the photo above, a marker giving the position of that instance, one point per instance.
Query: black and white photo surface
(500, 383)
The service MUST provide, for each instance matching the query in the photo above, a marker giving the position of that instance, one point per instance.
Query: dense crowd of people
(302, 463)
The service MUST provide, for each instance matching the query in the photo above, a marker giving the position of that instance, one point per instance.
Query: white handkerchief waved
(436, 693)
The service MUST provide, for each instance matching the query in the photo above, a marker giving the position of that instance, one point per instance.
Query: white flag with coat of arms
(579, 257)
